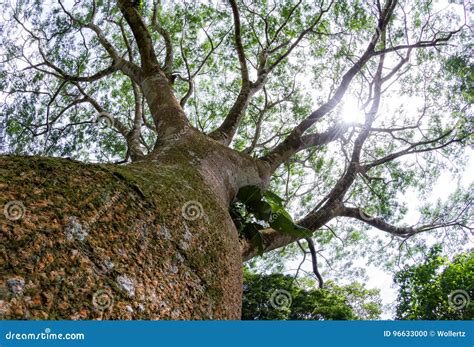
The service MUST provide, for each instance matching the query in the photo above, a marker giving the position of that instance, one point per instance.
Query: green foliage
(261, 300)
(437, 288)
(253, 210)
(461, 69)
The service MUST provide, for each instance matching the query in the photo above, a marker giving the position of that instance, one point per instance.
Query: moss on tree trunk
(150, 240)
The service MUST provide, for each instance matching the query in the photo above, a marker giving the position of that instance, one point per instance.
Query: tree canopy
(348, 105)
(437, 288)
(276, 296)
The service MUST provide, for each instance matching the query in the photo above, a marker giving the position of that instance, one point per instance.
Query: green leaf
(252, 233)
(271, 211)
(261, 209)
(279, 209)
(285, 225)
(249, 193)
(272, 197)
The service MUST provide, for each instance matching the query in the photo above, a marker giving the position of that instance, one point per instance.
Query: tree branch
(238, 43)
(412, 149)
(331, 205)
(125, 66)
(228, 128)
(169, 56)
(314, 260)
(142, 36)
(291, 144)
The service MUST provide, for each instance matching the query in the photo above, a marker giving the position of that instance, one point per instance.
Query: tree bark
(149, 240)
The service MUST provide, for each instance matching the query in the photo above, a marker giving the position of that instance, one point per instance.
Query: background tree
(276, 296)
(437, 288)
(336, 106)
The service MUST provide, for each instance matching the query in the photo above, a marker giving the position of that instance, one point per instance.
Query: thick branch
(133, 137)
(317, 139)
(92, 78)
(141, 34)
(228, 128)
(238, 43)
(436, 41)
(273, 239)
(169, 57)
(332, 204)
(376, 222)
(291, 144)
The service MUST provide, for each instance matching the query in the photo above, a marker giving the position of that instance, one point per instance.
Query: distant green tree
(279, 297)
(437, 288)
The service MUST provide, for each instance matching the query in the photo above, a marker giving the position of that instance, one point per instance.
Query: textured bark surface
(150, 240)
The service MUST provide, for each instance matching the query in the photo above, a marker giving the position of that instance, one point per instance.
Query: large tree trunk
(149, 240)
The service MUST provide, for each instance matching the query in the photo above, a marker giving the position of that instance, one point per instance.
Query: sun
(351, 111)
